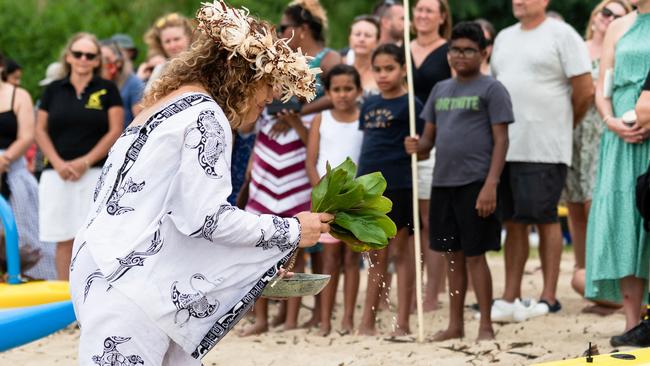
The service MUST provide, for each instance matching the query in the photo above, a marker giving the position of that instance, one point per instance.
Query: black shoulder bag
(643, 197)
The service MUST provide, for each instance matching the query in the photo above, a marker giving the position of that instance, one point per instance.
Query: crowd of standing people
(510, 125)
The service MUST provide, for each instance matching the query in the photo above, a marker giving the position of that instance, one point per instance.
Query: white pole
(414, 174)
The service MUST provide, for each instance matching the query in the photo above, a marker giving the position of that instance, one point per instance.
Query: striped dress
(279, 183)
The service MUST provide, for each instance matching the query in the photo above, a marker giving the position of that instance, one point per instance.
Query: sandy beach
(547, 338)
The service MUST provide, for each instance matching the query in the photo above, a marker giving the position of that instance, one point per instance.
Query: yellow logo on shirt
(94, 101)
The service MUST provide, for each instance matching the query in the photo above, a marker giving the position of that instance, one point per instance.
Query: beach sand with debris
(547, 338)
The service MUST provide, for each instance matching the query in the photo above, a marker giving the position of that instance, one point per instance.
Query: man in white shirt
(545, 66)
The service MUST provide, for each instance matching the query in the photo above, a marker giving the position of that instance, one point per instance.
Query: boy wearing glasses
(468, 119)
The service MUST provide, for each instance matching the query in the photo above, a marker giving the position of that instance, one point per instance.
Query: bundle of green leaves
(358, 206)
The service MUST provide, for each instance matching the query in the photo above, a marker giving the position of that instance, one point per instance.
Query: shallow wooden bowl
(301, 284)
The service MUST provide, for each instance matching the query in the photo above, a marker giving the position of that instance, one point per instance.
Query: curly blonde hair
(231, 81)
(152, 37)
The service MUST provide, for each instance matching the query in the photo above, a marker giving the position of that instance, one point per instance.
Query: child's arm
(313, 146)
(487, 198)
(294, 121)
(421, 145)
(317, 106)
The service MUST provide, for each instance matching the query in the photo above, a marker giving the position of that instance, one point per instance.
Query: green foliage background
(34, 31)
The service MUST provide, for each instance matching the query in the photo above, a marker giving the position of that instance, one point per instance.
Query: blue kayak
(19, 326)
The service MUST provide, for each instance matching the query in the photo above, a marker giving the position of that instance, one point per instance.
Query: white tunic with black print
(162, 233)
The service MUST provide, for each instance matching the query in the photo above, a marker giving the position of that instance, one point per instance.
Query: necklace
(427, 44)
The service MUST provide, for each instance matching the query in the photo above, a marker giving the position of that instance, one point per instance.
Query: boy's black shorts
(402, 212)
(454, 223)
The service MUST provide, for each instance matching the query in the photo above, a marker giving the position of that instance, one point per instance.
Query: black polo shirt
(76, 124)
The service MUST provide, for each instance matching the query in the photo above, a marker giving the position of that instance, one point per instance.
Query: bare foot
(384, 305)
(290, 326)
(367, 331)
(485, 334)
(400, 332)
(324, 330)
(278, 320)
(347, 326)
(313, 322)
(444, 335)
(599, 310)
(255, 329)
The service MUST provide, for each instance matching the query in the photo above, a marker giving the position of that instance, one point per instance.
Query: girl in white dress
(334, 136)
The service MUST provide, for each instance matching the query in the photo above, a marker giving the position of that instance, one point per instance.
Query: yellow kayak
(33, 293)
(636, 357)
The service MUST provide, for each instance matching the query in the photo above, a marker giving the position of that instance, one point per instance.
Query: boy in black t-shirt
(468, 118)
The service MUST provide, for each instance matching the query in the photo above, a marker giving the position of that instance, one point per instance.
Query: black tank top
(8, 125)
(433, 69)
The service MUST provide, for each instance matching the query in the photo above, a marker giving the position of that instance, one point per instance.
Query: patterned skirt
(24, 202)
(581, 175)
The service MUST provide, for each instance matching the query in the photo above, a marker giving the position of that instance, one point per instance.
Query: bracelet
(607, 118)
(87, 163)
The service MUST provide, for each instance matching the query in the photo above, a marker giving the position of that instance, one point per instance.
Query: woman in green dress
(618, 253)
(581, 175)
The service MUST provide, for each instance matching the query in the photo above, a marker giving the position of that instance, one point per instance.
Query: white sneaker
(535, 309)
(502, 311)
(527, 309)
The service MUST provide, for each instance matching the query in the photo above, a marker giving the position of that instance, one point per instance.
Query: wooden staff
(414, 172)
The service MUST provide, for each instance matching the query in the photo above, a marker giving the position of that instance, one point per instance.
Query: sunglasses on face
(606, 13)
(78, 55)
(283, 27)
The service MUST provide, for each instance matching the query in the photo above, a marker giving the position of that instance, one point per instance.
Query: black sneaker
(638, 336)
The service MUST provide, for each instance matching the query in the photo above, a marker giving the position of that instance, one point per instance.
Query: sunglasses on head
(78, 55)
(161, 22)
(609, 14)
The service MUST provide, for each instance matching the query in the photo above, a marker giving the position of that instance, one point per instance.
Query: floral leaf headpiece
(244, 36)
